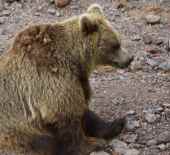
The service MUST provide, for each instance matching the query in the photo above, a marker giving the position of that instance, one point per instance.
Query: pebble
(2, 20)
(158, 40)
(164, 137)
(162, 147)
(152, 38)
(130, 138)
(168, 45)
(136, 38)
(10, 1)
(132, 124)
(5, 13)
(152, 62)
(151, 108)
(119, 146)
(152, 142)
(165, 66)
(51, 1)
(75, 7)
(37, 14)
(154, 50)
(150, 118)
(51, 11)
(152, 19)
(131, 112)
(119, 4)
(61, 3)
(147, 39)
(1, 5)
(132, 152)
(99, 153)
(122, 148)
(58, 14)
(1, 50)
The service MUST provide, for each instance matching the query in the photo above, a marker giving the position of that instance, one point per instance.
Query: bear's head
(108, 46)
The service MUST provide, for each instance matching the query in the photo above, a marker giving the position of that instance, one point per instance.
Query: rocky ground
(142, 92)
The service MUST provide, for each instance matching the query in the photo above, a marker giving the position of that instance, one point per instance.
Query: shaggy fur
(45, 90)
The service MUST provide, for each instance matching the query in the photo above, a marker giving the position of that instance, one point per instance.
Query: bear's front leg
(94, 126)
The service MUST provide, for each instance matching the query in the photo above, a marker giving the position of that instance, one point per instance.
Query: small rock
(150, 118)
(152, 142)
(58, 14)
(132, 124)
(154, 50)
(157, 41)
(122, 148)
(168, 145)
(152, 62)
(136, 38)
(5, 13)
(11, 1)
(51, 11)
(1, 5)
(51, 1)
(164, 137)
(131, 112)
(165, 66)
(119, 146)
(152, 19)
(37, 14)
(153, 109)
(99, 153)
(130, 138)
(138, 63)
(75, 7)
(61, 3)
(168, 45)
(132, 152)
(119, 4)
(167, 105)
(2, 20)
(147, 39)
(1, 50)
(162, 147)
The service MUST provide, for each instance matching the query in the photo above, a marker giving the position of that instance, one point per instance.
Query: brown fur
(44, 84)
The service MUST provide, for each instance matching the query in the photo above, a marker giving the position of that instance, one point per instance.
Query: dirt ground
(142, 92)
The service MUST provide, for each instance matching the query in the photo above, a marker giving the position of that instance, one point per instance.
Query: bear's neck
(82, 47)
(89, 53)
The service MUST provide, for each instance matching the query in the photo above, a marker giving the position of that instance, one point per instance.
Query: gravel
(141, 93)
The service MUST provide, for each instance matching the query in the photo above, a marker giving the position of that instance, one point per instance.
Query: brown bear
(45, 91)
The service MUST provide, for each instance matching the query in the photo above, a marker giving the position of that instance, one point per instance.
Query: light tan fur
(44, 79)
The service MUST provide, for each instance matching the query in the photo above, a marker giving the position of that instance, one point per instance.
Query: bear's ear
(88, 25)
(95, 8)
